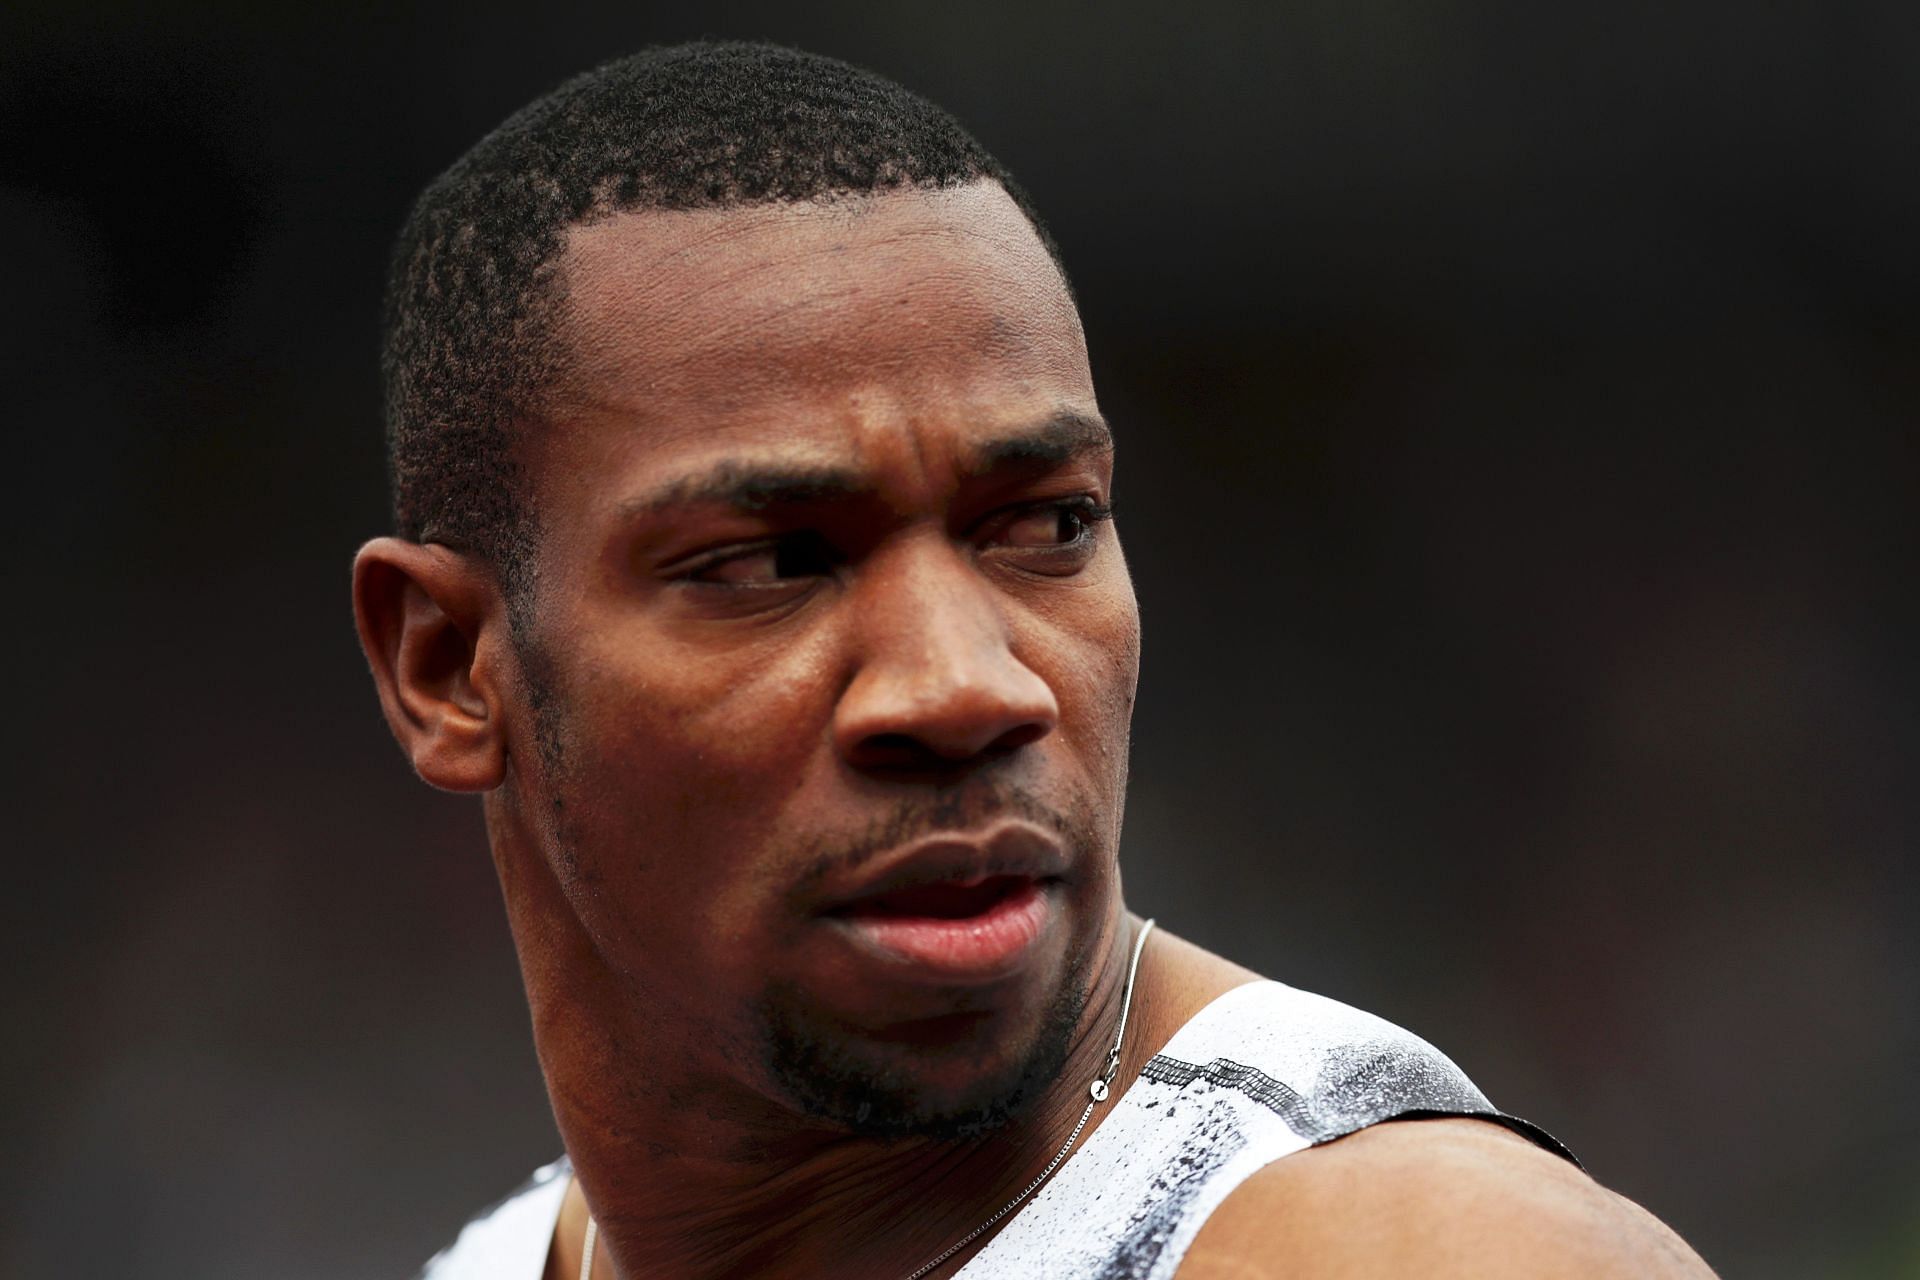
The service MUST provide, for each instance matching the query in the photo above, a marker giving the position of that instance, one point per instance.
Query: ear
(432, 624)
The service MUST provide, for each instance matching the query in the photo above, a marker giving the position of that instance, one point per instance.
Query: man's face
(833, 649)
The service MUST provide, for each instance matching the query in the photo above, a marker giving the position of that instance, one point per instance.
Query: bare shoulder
(1433, 1198)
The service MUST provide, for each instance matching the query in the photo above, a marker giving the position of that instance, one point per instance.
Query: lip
(1020, 864)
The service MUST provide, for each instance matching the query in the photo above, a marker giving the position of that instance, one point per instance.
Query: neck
(692, 1176)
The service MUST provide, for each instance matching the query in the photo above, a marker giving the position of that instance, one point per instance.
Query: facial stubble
(831, 1073)
(876, 1090)
(877, 1087)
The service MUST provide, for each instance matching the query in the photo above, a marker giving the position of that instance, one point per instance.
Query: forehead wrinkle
(647, 283)
(689, 256)
(721, 324)
(780, 324)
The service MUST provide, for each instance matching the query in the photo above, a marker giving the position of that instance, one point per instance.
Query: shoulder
(1326, 1068)
(1436, 1198)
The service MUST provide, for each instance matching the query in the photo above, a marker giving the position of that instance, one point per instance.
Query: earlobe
(429, 622)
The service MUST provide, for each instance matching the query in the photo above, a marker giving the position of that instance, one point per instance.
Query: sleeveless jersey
(1260, 1073)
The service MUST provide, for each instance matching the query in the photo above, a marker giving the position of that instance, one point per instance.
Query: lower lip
(993, 944)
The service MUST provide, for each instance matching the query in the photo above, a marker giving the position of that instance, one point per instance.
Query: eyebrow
(752, 487)
(1061, 438)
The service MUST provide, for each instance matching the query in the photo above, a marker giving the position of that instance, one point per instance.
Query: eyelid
(1083, 504)
(1087, 507)
(792, 558)
(686, 566)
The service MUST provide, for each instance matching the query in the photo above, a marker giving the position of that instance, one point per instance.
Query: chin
(952, 1078)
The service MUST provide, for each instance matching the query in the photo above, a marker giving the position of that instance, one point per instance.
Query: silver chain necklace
(1096, 1093)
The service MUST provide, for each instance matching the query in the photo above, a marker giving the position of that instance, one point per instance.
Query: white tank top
(1260, 1073)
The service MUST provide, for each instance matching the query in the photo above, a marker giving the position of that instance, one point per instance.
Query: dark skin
(823, 560)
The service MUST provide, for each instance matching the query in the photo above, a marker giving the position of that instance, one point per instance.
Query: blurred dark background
(1518, 410)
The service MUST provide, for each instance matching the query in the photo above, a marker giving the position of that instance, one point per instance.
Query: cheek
(696, 751)
(1093, 645)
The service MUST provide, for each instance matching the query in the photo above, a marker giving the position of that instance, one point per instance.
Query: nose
(938, 684)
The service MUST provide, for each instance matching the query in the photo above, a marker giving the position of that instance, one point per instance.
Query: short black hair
(470, 342)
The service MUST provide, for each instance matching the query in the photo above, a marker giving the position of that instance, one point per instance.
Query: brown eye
(782, 560)
(1045, 527)
(1055, 524)
(1053, 539)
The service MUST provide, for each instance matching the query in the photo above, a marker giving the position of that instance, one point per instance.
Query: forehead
(814, 327)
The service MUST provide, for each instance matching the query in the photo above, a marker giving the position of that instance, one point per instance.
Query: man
(756, 566)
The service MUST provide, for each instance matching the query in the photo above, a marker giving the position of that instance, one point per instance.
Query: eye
(1055, 538)
(772, 562)
(1056, 524)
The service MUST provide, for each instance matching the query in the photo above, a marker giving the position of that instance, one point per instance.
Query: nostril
(1016, 738)
(894, 751)
(912, 753)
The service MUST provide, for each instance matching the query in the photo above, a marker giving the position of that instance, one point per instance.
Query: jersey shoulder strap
(1262, 1072)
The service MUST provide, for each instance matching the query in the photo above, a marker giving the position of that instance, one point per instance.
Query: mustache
(964, 808)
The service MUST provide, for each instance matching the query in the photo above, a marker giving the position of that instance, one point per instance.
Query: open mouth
(952, 901)
(958, 930)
